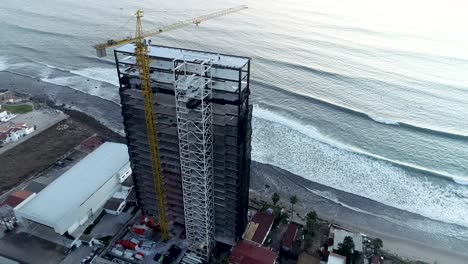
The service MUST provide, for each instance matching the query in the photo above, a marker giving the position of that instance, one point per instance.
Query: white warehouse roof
(77, 185)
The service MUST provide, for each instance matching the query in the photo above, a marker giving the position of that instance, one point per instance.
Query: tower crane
(143, 66)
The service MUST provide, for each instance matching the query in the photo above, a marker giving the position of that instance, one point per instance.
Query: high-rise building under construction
(203, 122)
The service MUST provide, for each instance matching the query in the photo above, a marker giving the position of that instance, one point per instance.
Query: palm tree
(293, 201)
(275, 198)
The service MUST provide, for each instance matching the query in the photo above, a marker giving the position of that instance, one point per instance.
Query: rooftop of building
(35, 187)
(258, 228)
(16, 198)
(113, 204)
(290, 235)
(78, 183)
(249, 253)
(340, 234)
(190, 55)
(336, 259)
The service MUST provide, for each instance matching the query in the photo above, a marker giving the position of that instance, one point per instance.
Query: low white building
(69, 204)
(338, 234)
(336, 259)
(15, 132)
(5, 116)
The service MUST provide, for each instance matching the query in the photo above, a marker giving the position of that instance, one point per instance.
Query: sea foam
(108, 75)
(304, 151)
(382, 120)
(3, 63)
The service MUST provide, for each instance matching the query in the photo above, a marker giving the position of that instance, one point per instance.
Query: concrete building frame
(231, 134)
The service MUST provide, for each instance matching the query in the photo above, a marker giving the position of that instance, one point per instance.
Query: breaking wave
(312, 132)
(396, 219)
(304, 151)
(107, 75)
(3, 63)
(382, 120)
(373, 117)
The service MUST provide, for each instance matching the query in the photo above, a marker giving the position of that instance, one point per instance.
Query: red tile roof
(249, 253)
(264, 221)
(290, 236)
(16, 198)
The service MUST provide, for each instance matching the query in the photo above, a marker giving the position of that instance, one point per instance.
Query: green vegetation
(293, 200)
(377, 244)
(18, 109)
(311, 222)
(275, 198)
(347, 249)
(223, 260)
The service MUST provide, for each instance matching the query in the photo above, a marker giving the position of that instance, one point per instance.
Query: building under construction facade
(203, 122)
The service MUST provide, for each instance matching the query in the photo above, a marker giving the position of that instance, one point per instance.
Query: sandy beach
(263, 185)
(403, 248)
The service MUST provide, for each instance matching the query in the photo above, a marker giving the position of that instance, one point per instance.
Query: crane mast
(143, 64)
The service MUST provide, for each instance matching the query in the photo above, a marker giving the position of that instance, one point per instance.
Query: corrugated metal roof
(264, 221)
(77, 184)
(248, 253)
(35, 186)
(16, 198)
(113, 204)
(290, 236)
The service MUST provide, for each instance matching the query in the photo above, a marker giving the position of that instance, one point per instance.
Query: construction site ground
(41, 151)
(30, 249)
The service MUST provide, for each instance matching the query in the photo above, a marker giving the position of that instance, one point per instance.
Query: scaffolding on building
(193, 95)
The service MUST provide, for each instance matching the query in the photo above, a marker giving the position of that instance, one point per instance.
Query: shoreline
(65, 98)
(399, 242)
(405, 249)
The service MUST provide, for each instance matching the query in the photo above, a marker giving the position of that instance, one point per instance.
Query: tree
(223, 260)
(293, 201)
(346, 249)
(311, 221)
(377, 244)
(275, 198)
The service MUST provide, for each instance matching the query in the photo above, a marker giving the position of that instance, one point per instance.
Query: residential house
(260, 226)
(249, 253)
(5, 115)
(15, 132)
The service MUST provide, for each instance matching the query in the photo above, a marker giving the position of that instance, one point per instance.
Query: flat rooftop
(174, 53)
(339, 236)
(78, 183)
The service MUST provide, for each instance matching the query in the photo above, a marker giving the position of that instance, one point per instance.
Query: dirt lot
(39, 152)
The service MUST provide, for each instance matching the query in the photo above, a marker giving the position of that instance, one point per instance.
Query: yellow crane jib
(101, 47)
(143, 65)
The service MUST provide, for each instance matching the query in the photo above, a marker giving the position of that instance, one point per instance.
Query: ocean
(364, 100)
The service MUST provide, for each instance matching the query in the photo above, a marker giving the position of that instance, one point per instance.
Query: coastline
(405, 249)
(267, 179)
(279, 180)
